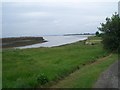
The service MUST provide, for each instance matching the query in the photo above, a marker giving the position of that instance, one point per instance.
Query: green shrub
(42, 79)
(111, 33)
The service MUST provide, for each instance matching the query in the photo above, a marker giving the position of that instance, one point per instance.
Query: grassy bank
(21, 68)
(87, 76)
(0, 69)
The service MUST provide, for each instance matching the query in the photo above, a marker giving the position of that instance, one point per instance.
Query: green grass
(88, 75)
(94, 39)
(22, 67)
(0, 69)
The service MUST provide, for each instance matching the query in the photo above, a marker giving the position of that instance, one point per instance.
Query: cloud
(54, 17)
(59, 1)
(35, 14)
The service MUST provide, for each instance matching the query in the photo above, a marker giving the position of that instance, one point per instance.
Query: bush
(97, 33)
(42, 79)
(111, 33)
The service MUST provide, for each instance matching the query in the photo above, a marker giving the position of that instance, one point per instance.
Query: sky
(54, 17)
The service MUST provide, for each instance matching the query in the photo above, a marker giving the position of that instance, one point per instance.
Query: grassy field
(0, 69)
(21, 68)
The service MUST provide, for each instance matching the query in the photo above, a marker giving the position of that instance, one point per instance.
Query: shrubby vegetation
(111, 33)
(42, 79)
(97, 33)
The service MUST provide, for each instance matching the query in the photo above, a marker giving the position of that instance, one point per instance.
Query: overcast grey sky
(50, 17)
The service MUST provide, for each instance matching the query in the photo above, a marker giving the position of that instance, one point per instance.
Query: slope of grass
(88, 75)
(0, 69)
(21, 68)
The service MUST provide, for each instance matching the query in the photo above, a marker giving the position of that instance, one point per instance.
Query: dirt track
(110, 77)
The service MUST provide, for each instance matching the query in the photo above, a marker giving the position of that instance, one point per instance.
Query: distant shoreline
(49, 35)
(20, 41)
(78, 34)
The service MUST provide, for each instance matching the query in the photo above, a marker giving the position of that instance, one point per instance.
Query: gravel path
(110, 77)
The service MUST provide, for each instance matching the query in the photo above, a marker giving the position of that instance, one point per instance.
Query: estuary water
(53, 41)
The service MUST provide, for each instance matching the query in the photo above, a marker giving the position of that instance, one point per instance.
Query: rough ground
(110, 77)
